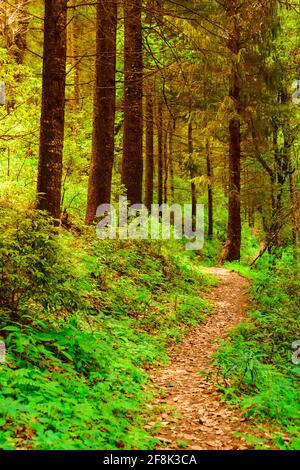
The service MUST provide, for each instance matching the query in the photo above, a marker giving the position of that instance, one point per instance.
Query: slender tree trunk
(100, 178)
(149, 116)
(21, 33)
(73, 55)
(234, 205)
(132, 164)
(294, 213)
(166, 166)
(252, 215)
(192, 174)
(277, 178)
(171, 163)
(209, 172)
(15, 27)
(149, 148)
(232, 248)
(53, 107)
(159, 152)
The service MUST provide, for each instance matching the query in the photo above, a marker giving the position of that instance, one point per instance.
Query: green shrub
(35, 272)
(256, 361)
(82, 319)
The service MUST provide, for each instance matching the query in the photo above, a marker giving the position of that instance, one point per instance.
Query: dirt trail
(205, 421)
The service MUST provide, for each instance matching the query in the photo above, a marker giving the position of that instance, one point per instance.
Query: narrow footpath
(202, 421)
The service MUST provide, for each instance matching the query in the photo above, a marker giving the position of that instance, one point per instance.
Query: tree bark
(209, 173)
(15, 27)
(149, 148)
(166, 166)
(73, 54)
(159, 152)
(53, 107)
(101, 169)
(21, 33)
(132, 163)
(232, 248)
(233, 244)
(171, 163)
(294, 213)
(192, 174)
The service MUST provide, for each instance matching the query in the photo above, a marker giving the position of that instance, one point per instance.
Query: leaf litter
(192, 411)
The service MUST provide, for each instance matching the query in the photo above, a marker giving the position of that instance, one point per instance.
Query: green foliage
(82, 319)
(255, 363)
(19, 120)
(33, 272)
(69, 389)
(148, 283)
(212, 249)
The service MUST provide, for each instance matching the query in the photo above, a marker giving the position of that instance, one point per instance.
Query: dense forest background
(168, 102)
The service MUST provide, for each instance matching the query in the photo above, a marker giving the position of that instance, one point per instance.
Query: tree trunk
(294, 213)
(166, 166)
(100, 178)
(15, 27)
(209, 172)
(192, 174)
(160, 152)
(73, 54)
(233, 244)
(149, 148)
(232, 248)
(53, 107)
(132, 163)
(21, 33)
(171, 163)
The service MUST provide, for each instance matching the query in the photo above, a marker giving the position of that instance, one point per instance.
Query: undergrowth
(82, 320)
(256, 362)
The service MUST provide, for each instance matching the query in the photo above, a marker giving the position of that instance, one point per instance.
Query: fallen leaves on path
(205, 421)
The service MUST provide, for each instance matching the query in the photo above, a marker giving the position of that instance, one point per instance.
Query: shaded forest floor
(83, 338)
(192, 414)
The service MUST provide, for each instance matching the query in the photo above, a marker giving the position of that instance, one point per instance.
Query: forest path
(205, 422)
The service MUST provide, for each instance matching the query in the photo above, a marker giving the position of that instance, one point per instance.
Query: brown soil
(205, 420)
